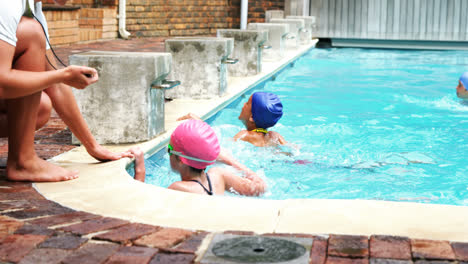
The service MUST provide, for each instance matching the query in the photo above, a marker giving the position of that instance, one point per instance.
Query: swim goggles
(170, 151)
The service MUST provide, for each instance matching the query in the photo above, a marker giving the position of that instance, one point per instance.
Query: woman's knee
(44, 111)
(30, 35)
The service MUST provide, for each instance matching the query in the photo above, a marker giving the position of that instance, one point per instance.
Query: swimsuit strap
(261, 130)
(210, 191)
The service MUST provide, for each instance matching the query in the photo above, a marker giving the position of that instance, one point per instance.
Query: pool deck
(106, 217)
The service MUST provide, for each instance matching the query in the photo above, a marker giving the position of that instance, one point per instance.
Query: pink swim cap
(197, 141)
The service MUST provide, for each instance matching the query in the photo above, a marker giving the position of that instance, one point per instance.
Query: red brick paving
(63, 219)
(94, 225)
(126, 233)
(164, 238)
(36, 240)
(136, 255)
(390, 247)
(318, 253)
(192, 243)
(45, 255)
(348, 246)
(163, 258)
(430, 249)
(338, 260)
(14, 247)
(461, 251)
(91, 253)
(9, 226)
(63, 241)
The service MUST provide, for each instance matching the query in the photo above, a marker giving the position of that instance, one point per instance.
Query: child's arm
(140, 170)
(189, 116)
(226, 158)
(252, 185)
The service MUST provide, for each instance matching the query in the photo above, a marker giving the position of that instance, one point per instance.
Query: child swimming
(260, 112)
(463, 86)
(194, 146)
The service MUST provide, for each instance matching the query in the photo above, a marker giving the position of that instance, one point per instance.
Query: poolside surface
(104, 191)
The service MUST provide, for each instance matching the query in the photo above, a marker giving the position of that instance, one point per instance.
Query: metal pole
(244, 13)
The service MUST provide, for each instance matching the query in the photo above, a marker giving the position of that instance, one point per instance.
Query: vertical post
(306, 8)
(244, 13)
(122, 16)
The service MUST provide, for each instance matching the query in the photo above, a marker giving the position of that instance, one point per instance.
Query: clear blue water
(363, 124)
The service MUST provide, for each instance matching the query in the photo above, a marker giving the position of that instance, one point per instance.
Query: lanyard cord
(53, 52)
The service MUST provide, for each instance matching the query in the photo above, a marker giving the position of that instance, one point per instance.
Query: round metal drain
(258, 249)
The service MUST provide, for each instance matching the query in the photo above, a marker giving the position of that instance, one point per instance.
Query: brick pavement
(36, 230)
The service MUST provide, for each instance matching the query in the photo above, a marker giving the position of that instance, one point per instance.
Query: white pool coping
(108, 190)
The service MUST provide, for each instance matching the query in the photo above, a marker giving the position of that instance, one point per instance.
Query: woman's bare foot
(140, 169)
(38, 170)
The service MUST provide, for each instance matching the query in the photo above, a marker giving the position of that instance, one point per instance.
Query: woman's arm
(16, 83)
(65, 104)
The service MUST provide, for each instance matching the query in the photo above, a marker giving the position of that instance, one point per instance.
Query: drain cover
(227, 248)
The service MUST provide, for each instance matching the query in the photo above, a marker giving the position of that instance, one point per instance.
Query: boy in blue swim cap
(463, 86)
(260, 112)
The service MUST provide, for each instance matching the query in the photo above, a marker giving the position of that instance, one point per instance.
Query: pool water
(362, 124)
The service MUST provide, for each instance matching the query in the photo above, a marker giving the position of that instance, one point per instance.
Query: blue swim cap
(464, 80)
(266, 109)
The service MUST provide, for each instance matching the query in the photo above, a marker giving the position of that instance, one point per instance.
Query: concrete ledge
(270, 14)
(277, 34)
(295, 28)
(122, 107)
(199, 64)
(248, 46)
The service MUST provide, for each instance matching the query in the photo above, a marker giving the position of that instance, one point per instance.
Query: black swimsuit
(210, 191)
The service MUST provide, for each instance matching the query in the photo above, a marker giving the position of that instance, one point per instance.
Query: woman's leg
(22, 113)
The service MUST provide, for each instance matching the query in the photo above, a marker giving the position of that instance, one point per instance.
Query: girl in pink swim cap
(194, 146)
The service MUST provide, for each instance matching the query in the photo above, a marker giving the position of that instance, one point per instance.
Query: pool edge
(355, 217)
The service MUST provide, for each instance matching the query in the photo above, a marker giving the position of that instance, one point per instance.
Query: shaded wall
(393, 19)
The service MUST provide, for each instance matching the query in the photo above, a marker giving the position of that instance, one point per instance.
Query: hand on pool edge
(102, 154)
(189, 116)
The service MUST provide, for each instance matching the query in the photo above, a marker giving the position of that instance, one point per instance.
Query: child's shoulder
(276, 137)
(241, 134)
(180, 186)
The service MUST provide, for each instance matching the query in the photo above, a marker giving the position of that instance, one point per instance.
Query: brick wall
(87, 3)
(152, 18)
(256, 10)
(74, 23)
(63, 26)
(97, 19)
(98, 24)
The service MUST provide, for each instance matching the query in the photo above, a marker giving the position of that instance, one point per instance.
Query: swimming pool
(365, 124)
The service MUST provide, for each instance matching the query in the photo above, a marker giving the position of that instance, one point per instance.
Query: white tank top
(10, 16)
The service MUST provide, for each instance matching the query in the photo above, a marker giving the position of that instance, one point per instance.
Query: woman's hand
(102, 154)
(80, 77)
